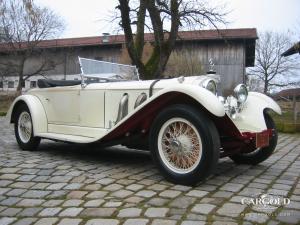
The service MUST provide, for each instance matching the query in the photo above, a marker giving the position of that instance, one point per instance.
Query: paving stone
(136, 222)
(105, 181)
(30, 202)
(158, 187)
(56, 186)
(181, 187)
(95, 203)
(163, 222)
(232, 187)
(35, 194)
(113, 187)
(77, 194)
(10, 212)
(25, 221)
(256, 217)
(92, 187)
(146, 193)
(7, 220)
(231, 209)
(157, 201)
(182, 202)
(46, 221)
(289, 216)
(10, 201)
(134, 199)
(130, 212)
(98, 212)
(170, 194)
(33, 211)
(49, 212)
(102, 222)
(121, 193)
(134, 187)
(203, 208)
(70, 212)
(192, 222)
(68, 221)
(52, 203)
(156, 212)
(72, 202)
(73, 186)
(222, 194)
(112, 204)
(197, 193)
(97, 194)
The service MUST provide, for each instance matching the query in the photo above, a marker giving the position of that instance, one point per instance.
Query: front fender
(38, 115)
(207, 99)
(251, 118)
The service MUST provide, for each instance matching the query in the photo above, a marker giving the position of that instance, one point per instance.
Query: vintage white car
(182, 121)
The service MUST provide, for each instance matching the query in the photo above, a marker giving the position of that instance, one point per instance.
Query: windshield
(91, 68)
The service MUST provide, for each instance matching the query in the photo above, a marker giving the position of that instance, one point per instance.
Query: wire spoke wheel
(25, 127)
(179, 145)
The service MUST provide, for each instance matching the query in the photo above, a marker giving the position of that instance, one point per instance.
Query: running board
(66, 137)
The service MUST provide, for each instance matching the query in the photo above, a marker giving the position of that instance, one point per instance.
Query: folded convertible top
(45, 83)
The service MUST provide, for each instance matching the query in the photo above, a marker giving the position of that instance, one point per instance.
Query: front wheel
(185, 144)
(24, 130)
(261, 154)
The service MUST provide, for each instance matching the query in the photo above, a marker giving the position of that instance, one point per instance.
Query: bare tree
(271, 68)
(164, 18)
(24, 26)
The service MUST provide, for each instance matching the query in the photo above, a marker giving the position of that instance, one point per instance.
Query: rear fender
(38, 115)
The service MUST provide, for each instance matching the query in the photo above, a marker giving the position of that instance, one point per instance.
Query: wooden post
(295, 107)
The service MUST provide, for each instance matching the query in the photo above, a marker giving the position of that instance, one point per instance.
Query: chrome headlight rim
(210, 85)
(241, 93)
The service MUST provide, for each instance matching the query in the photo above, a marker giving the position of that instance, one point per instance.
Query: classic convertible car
(182, 121)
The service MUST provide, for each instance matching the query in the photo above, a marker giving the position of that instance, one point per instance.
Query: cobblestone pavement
(73, 184)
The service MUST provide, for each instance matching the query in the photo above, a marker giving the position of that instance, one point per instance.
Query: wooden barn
(231, 50)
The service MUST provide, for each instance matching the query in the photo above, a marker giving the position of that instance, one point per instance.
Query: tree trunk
(21, 75)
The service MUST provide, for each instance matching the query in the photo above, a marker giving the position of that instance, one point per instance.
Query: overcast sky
(87, 17)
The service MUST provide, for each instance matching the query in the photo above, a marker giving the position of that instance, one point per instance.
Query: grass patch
(5, 102)
(285, 122)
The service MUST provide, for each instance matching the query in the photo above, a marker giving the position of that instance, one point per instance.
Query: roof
(288, 92)
(119, 39)
(244, 34)
(292, 50)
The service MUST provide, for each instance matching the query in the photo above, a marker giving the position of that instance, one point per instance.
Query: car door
(92, 105)
(62, 105)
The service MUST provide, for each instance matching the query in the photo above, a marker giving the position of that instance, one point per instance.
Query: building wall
(228, 59)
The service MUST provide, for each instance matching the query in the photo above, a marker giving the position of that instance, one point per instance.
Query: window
(11, 84)
(1, 84)
(32, 84)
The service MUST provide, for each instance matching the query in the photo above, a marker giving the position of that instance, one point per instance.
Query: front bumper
(247, 142)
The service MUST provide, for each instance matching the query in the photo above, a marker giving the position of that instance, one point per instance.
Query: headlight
(241, 93)
(210, 85)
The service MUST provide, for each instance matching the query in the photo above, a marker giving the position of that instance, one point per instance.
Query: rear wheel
(184, 144)
(261, 154)
(24, 130)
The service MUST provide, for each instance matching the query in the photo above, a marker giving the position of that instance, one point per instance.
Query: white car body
(87, 114)
(180, 120)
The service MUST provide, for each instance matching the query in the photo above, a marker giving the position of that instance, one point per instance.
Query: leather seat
(45, 83)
